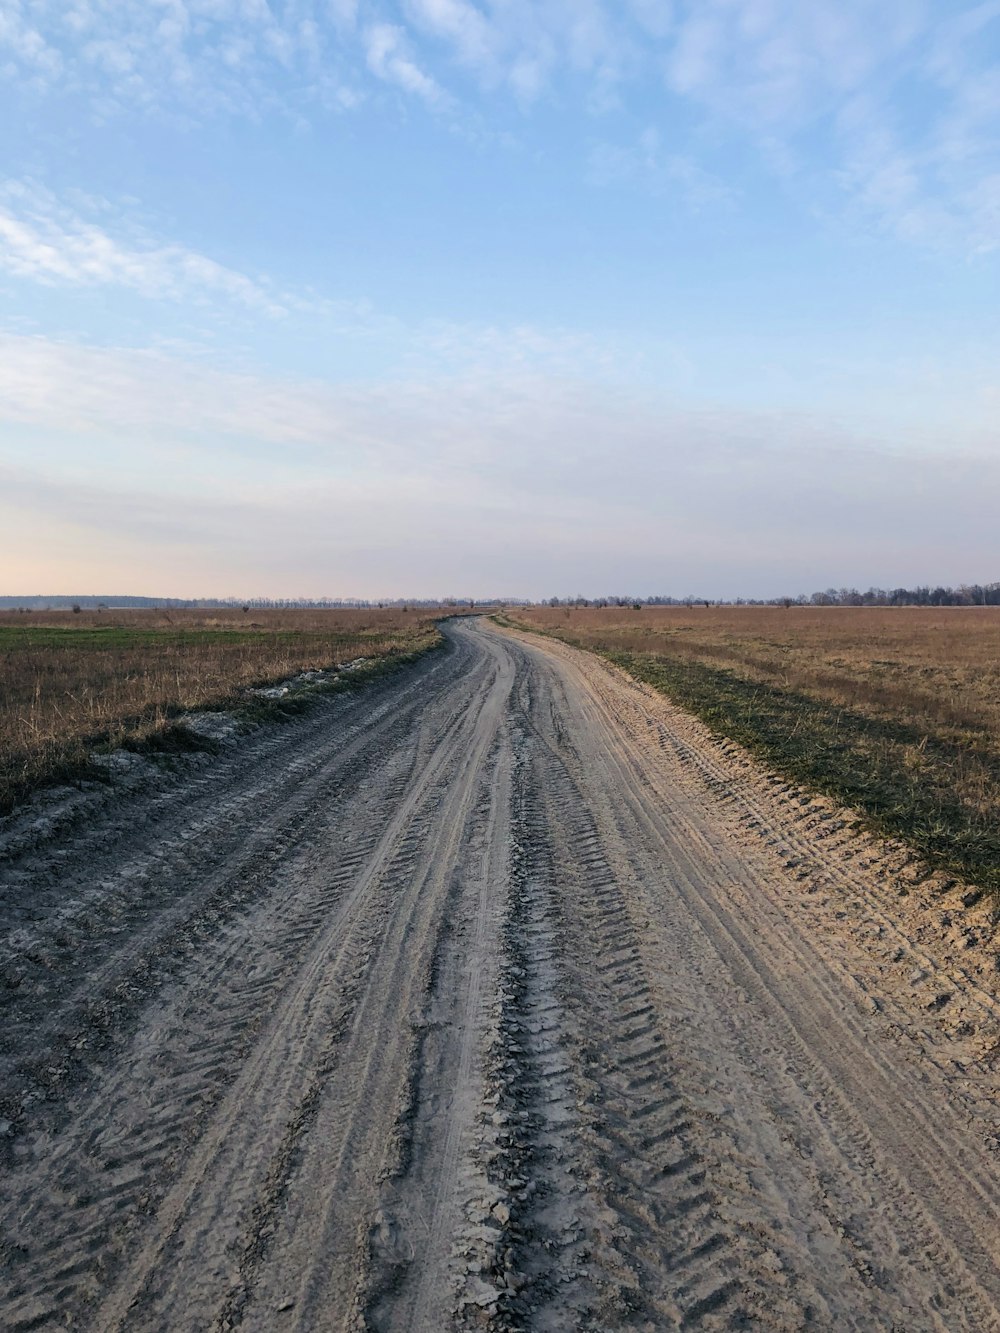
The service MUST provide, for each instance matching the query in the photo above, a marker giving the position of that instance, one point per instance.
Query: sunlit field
(72, 682)
(894, 710)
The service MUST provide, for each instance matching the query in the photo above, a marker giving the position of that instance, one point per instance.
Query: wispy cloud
(26, 45)
(46, 240)
(389, 59)
(242, 56)
(828, 91)
(778, 63)
(476, 40)
(824, 92)
(648, 165)
(65, 386)
(548, 477)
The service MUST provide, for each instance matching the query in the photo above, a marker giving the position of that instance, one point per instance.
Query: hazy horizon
(171, 601)
(324, 294)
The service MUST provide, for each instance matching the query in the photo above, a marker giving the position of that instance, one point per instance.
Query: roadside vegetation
(895, 712)
(75, 683)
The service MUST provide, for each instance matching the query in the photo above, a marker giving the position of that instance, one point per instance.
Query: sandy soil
(500, 996)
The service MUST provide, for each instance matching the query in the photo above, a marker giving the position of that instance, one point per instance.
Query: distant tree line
(967, 594)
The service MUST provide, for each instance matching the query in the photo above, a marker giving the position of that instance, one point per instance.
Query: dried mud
(499, 996)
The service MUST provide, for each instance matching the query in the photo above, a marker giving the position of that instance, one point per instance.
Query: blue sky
(320, 297)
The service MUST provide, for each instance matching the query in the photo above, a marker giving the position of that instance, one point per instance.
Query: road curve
(497, 996)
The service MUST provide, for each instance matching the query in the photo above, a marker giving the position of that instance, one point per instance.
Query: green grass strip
(861, 761)
(899, 778)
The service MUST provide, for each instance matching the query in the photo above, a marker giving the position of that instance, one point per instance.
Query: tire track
(88, 923)
(678, 1260)
(435, 1186)
(335, 1192)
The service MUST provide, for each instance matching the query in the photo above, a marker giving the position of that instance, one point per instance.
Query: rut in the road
(653, 1247)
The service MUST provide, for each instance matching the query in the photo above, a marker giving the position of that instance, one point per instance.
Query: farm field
(895, 711)
(500, 994)
(72, 683)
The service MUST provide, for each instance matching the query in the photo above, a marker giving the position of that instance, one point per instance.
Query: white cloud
(41, 238)
(388, 57)
(27, 44)
(502, 478)
(473, 36)
(779, 62)
(237, 56)
(787, 77)
(344, 13)
(64, 386)
(830, 91)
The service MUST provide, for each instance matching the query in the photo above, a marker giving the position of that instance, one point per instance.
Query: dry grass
(894, 710)
(73, 683)
(938, 667)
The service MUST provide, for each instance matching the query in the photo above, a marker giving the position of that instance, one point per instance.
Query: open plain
(498, 995)
(71, 684)
(893, 711)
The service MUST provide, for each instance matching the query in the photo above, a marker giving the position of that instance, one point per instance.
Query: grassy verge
(934, 788)
(84, 685)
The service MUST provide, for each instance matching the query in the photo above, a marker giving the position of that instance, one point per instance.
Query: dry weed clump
(893, 710)
(70, 683)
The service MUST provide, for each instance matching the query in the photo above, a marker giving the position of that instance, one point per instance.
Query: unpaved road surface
(498, 996)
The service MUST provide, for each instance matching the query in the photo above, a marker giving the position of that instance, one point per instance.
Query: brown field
(937, 667)
(70, 683)
(894, 710)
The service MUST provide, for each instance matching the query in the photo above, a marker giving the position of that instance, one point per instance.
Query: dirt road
(498, 996)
